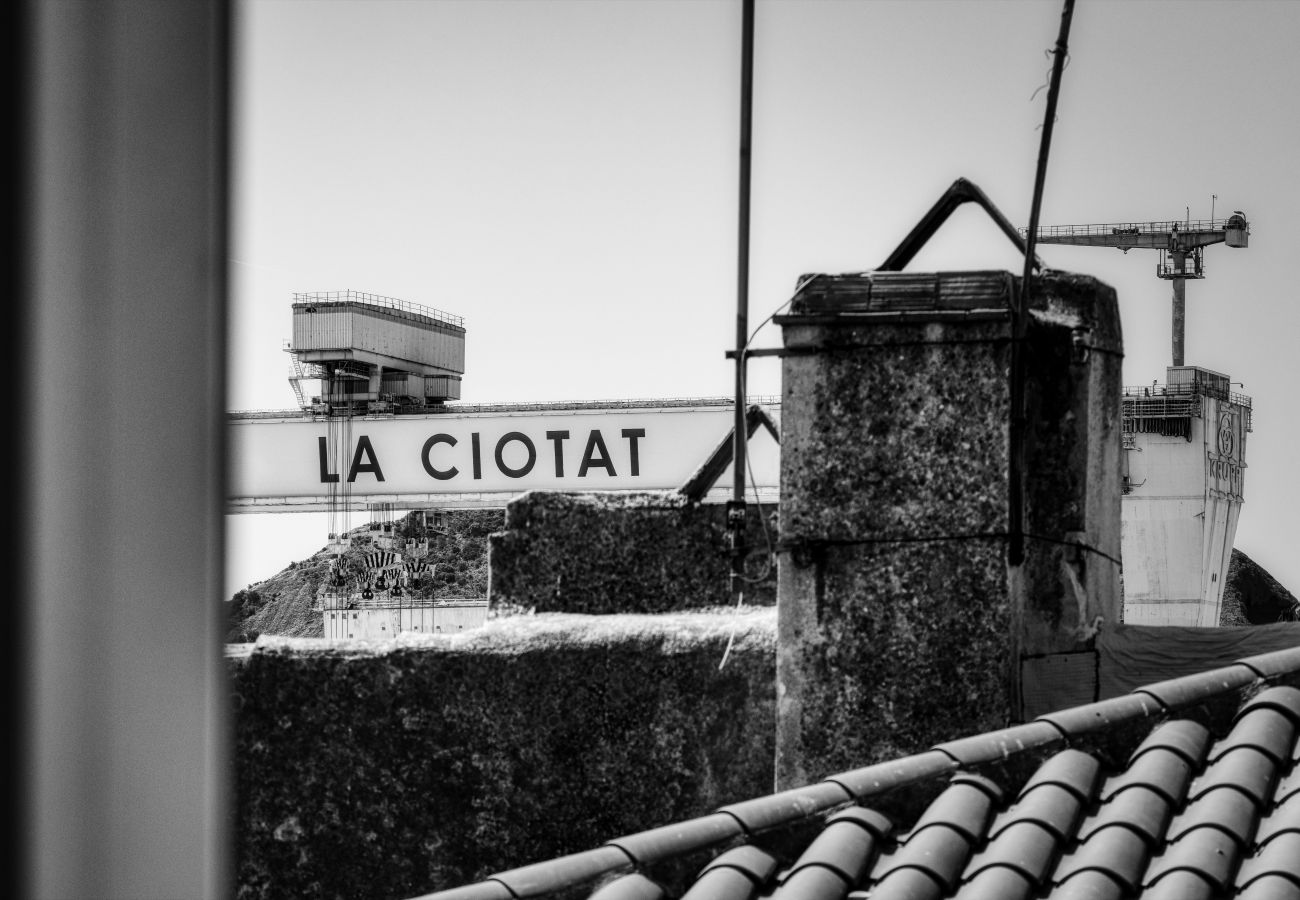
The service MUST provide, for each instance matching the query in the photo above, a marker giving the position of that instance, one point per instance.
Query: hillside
(1251, 596)
(282, 604)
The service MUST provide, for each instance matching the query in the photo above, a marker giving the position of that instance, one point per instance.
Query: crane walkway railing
(350, 296)
(1113, 228)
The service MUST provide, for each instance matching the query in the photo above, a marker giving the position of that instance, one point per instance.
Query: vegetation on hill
(1251, 596)
(282, 604)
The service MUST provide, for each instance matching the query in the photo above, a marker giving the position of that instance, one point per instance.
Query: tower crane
(1181, 246)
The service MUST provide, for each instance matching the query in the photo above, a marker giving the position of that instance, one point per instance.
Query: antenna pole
(736, 508)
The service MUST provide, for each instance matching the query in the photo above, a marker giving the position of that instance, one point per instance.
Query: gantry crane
(1181, 246)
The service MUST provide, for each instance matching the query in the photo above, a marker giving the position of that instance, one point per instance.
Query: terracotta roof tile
(1270, 887)
(938, 851)
(1073, 770)
(1140, 809)
(1188, 738)
(673, 840)
(1026, 847)
(544, 877)
(1288, 787)
(762, 813)
(634, 886)
(722, 884)
(999, 745)
(1177, 693)
(1280, 856)
(1271, 665)
(1268, 730)
(1159, 769)
(1103, 714)
(1231, 811)
(812, 882)
(1052, 806)
(1245, 769)
(871, 780)
(905, 884)
(480, 890)
(998, 883)
(737, 874)
(1090, 884)
(1117, 851)
(1206, 805)
(1284, 818)
(1209, 852)
(1180, 885)
(848, 845)
(1283, 698)
(966, 806)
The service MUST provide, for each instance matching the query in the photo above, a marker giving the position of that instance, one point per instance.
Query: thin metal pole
(1020, 304)
(736, 518)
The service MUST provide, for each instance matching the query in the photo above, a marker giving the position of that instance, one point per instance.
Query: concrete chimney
(902, 622)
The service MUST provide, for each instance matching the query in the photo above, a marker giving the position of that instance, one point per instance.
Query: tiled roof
(1185, 789)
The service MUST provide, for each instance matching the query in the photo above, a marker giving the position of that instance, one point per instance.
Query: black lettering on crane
(589, 459)
(632, 434)
(326, 476)
(440, 474)
(500, 454)
(558, 438)
(364, 447)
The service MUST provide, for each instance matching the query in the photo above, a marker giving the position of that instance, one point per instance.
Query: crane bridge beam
(1146, 240)
(484, 456)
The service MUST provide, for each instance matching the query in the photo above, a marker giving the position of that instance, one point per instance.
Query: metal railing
(382, 600)
(351, 296)
(548, 406)
(1184, 390)
(1112, 228)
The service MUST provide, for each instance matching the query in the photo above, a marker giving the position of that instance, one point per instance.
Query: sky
(564, 174)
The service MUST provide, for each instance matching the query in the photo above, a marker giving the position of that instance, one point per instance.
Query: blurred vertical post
(122, 321)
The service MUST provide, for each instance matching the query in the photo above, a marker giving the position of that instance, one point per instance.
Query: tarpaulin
(1131, 656)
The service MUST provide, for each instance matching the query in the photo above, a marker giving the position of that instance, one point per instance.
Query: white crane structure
(1181, 246)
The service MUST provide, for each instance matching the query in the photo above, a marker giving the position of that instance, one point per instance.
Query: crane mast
(1181, 246)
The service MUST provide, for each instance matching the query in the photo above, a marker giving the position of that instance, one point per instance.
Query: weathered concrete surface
(900, 621)
(391, 769)
(618, 552)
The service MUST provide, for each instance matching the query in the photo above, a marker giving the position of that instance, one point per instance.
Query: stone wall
(392, 769)
(643, 552)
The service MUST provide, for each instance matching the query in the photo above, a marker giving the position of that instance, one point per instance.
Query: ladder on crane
(296, 375)
(1181, 246)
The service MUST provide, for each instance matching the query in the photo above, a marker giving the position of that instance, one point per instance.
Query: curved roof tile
(1283, 698)
(1186, 737)
(1228, 810)
(1159, 769)
(1266, 728)
(1280, 856)
(966, 806)
(1209, 852)
(1244, 768)
(908, 884)
(1270, 887)
(1177, 693)
(1074, 770)
(1142, 810)
(681, 837)
(1117, 851)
